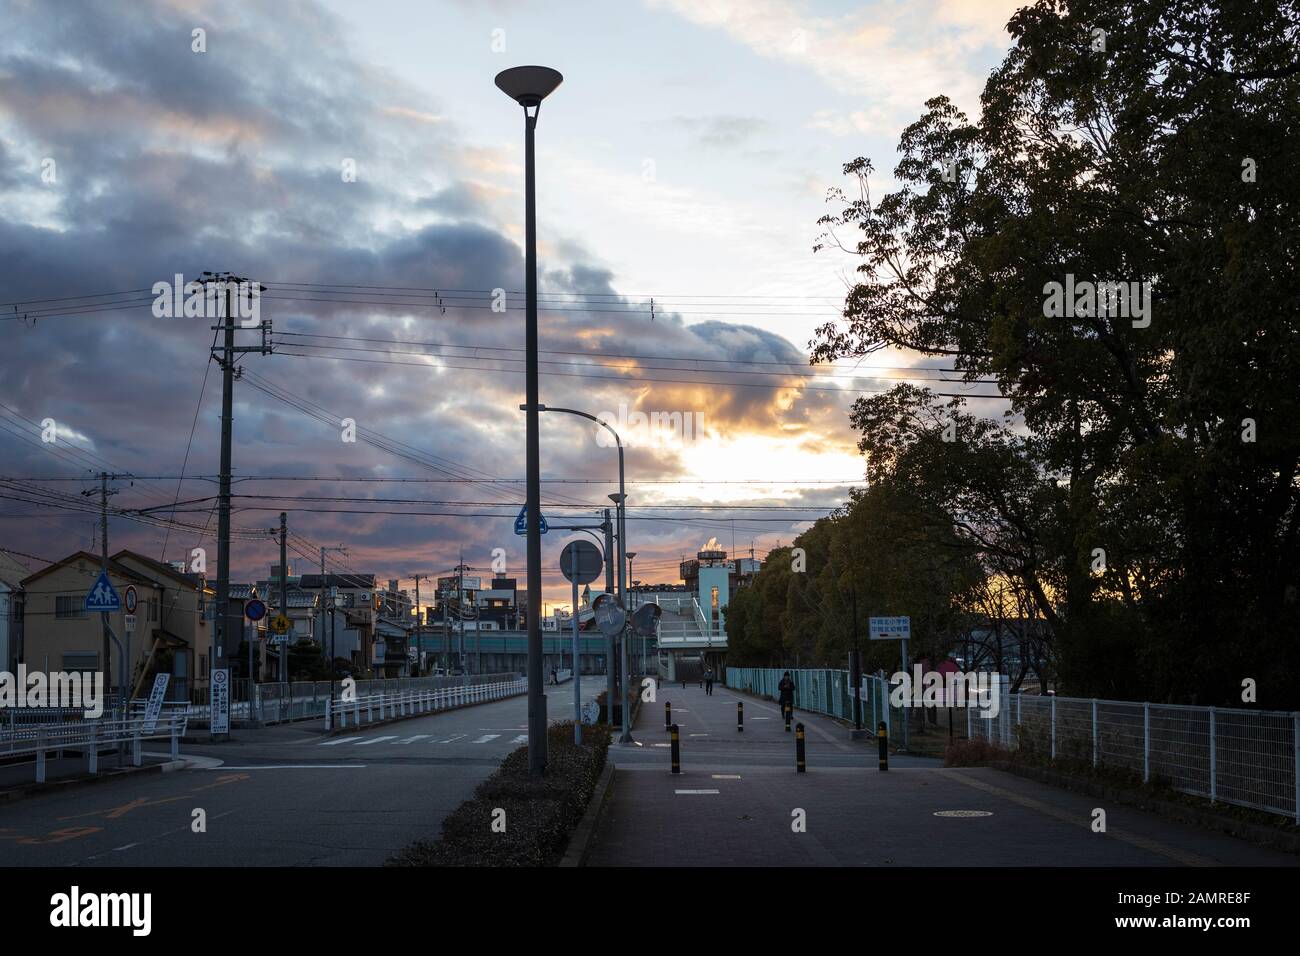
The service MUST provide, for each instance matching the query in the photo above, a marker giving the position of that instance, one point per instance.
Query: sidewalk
(740, 802)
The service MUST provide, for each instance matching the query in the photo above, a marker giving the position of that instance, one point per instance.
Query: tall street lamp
(528, 86)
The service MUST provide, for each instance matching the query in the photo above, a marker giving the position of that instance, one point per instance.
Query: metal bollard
(677, 748)
(789, 712)
(135, 748)
(740, 716)
(883, 738)
(329, 715)
(668, 715)
(801, 765)
(176, 742)
(94, 748)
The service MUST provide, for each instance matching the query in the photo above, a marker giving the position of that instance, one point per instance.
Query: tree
(1143, 487)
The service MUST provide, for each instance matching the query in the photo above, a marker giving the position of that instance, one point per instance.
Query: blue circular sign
(254, 610)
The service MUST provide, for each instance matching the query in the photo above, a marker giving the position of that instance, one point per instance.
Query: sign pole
(577, 673)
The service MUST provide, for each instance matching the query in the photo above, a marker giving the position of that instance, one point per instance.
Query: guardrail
(92, 736)
(277, 703)
(415, 702)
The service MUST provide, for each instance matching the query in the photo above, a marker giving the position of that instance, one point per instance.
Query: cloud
(900, 54)
(175, 162)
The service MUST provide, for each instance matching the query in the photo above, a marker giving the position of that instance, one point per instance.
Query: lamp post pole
(620, 547)
(528, 86)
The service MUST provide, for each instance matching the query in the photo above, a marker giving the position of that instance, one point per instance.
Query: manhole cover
(963, 813)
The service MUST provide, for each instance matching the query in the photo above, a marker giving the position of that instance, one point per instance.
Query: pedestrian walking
(785, 691)
(708, 681)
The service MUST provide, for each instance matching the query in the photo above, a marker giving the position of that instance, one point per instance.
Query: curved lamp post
(528, 86)
(621, 544)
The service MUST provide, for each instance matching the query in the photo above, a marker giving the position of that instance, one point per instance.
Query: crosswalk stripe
(337, 740)
(486, 737)
(451, 739)
(411, 740)
(521, 739)
(376, 740)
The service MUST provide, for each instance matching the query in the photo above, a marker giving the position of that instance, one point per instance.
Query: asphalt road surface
(280, 796)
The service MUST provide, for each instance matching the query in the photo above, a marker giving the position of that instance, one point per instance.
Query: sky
(344, 154)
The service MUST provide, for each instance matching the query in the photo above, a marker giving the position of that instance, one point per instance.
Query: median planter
(513, 820)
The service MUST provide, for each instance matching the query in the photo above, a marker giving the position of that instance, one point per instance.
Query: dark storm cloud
(171, 161)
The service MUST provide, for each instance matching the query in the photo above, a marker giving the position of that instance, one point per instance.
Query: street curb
(580, 843)
(398, 719)
(75, 783)
(1195, 816)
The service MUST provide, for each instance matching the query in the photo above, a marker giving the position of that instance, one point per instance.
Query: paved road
(281, 796)
(738, 801)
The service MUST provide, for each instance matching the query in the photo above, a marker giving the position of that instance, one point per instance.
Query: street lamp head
(528, 85)
(617, 497)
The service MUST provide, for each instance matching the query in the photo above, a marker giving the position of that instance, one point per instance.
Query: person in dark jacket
(708, 681)
(785, 693)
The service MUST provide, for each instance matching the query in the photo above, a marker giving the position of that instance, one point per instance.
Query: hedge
(539, 815)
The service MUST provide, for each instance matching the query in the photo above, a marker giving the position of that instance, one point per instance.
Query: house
(347, 617)
(170, 633)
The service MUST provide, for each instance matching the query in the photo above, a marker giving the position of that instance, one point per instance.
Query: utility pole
(324, 653)
(284, 598)
(227, 624)
(107, 631)
(418, 647)
(460, 609)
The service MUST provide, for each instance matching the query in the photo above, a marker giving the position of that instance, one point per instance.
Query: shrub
(972, 753)
(539, 815)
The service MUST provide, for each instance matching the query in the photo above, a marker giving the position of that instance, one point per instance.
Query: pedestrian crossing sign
(102, 596)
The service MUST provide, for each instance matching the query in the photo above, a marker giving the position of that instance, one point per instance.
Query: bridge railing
(354, 712)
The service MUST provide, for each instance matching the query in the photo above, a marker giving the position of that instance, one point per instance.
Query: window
(203, 664)
(69, 606)
(153, 609)
(74, 661)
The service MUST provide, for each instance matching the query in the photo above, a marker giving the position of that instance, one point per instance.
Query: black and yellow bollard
(884, 746)
(789, 712)
(668, 715)
(740, 716)
(800, 763)
(677, 748)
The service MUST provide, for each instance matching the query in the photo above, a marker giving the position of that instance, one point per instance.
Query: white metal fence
(275, 703)
(362, 710)
(1244, 757)
(91, 736)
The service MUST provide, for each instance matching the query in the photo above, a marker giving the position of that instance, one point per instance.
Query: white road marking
(697, 735)
(339, 740)
(486, 737)
(698, 791)
(377, 740)
(295, 766)
(521, 739)
(411, 740)
(726, 776)
(451, 739)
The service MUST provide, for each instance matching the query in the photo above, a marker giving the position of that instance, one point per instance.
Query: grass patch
(539, 815)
